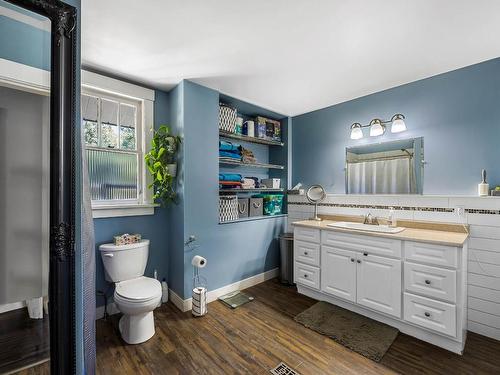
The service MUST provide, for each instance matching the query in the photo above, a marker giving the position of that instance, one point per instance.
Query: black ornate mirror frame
(63, 94)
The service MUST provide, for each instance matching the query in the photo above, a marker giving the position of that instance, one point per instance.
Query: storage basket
(242, 207)
(227, 118)
(255, 207)
(228, 209)
(273, 204)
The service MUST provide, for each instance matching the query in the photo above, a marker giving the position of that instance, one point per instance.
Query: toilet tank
(124, 262)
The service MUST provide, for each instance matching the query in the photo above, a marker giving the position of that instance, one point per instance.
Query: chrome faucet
(370, 219)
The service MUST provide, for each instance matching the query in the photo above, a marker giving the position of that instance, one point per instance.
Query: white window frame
(97, 85)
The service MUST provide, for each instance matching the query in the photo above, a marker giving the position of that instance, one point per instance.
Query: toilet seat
(139, 290)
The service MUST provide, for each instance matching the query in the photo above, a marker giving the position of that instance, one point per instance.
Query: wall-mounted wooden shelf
(251, 165)
(246, 138)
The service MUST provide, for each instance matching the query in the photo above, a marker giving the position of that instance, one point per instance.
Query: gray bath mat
(359, 333)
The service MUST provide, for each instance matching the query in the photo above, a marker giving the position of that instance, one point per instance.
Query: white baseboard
(12, 306)
(185, 305)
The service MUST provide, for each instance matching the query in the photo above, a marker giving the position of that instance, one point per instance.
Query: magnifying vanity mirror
(316, 194)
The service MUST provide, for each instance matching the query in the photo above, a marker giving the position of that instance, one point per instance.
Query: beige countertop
(455, 235)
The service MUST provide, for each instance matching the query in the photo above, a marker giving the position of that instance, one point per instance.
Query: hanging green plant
(162, 165)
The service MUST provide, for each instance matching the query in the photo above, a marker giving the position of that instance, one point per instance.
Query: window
(117, 120)
(112, 131)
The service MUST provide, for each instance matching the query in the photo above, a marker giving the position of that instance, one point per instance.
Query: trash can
(286, 252)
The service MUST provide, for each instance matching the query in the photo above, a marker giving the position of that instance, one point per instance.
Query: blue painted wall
(23, 43)
(457, 113)
(234, 251)
(153, 227)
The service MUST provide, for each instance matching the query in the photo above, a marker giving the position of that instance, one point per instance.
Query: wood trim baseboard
(186, 304)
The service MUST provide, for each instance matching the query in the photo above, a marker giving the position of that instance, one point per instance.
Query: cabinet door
(338, 272)
(379, 284)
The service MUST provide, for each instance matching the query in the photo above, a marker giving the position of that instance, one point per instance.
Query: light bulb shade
(356, 132)
(398, 124)
(376, 128)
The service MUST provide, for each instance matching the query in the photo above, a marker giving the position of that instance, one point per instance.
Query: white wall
(483, 217)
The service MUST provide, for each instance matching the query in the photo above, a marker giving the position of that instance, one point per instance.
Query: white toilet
(136, 296)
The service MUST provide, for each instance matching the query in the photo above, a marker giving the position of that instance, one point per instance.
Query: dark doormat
(357, 332)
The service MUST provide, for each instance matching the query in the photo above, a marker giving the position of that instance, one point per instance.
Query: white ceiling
(292, 56)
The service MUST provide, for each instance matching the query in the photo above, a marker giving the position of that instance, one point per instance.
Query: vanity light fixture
(377, 126)
(356, 131)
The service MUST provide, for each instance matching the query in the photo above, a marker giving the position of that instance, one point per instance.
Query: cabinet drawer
(431, 281)
(431, 314)
(306, 275)
(306, 252)
(306, 234)
(369, 244)
(438, 255)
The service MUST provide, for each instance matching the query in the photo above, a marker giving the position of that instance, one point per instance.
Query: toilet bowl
(136, 299)
(136, 296)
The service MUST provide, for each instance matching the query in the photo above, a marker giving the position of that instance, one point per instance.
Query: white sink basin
(366, 227)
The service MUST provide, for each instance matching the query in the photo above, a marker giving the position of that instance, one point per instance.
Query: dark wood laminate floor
(255, 337)
(23, 341)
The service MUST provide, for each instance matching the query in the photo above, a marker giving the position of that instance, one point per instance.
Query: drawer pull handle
(352, 260)
(306, 253)
(427, 314)
(359, 261)
(305, 276)
(428, 282)
(365, 254)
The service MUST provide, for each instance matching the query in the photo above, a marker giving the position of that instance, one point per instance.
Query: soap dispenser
(391, 221)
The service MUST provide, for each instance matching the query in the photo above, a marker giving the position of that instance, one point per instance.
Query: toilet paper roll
(198, 261)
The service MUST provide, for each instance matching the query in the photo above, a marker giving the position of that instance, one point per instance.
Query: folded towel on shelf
(228, 146)
(231, 155)
(229, 185)
(247, 156)
(248, 183)
(230, 177)
(255, 180)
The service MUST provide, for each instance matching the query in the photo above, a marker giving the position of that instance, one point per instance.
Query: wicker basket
(228, 208)
(227, 118)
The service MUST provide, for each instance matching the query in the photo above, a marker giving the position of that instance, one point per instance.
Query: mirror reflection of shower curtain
(389, 176)
(24, 195)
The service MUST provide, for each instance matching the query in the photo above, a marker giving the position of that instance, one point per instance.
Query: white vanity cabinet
(418, 287)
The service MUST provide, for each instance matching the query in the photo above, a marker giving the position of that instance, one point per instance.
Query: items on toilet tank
(496, 191)
(483, 188)
(125, 239)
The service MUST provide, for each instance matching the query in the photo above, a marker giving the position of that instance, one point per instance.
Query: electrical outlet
(460, 211)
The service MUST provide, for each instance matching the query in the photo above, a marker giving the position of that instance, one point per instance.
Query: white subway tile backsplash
(484, 256)
(481, 219)
(484, 306)
(483, 293)
(423, 201)
(483, 281)
(482, 231)
(445, 217)
(488, 319)
(491, 270)
(484, 244)
(483, 203)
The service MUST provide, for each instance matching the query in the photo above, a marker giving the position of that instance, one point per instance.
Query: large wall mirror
(395, 167)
